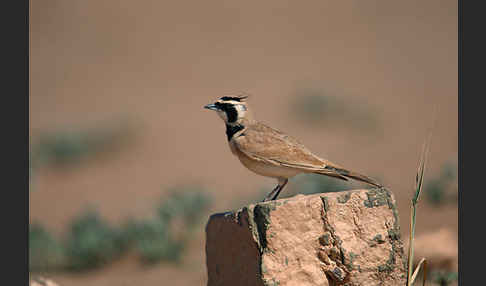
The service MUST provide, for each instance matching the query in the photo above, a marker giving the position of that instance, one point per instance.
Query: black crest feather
(238, 98)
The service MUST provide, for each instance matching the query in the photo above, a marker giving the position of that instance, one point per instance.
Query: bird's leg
(281, 185)
(267, 198)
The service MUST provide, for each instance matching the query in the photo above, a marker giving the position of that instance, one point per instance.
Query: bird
(269, 152)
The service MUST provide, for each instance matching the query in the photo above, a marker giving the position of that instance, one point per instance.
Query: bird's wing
(263, 143)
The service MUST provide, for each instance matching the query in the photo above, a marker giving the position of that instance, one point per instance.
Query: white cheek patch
(223, 116)
(241, 110)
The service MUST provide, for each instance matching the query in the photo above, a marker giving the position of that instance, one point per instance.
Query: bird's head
(232, 109)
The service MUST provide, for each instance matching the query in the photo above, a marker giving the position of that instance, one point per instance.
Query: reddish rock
(346, 238)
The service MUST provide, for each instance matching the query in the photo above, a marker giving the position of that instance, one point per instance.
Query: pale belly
(264, 169)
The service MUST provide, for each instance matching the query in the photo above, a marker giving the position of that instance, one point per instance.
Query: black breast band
(232, 129)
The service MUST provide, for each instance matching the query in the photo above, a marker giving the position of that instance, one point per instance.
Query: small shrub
(187, 202)
(312, 184)
(443, 278)
(70, 147)
(315, 107)
(153, 240)
(45, 253)
(163, 238)
(62, 148)
(437, 189)
(435, 192)
(91, 242)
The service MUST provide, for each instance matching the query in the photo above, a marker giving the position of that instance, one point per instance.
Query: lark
(269, 152)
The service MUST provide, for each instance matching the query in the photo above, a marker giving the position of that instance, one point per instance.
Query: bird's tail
(344, 174)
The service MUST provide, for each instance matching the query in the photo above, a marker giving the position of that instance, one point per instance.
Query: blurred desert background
(122, 149)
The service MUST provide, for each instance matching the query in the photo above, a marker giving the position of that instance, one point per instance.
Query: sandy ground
(159, 62)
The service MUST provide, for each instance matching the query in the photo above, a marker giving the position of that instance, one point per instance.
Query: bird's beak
(211, 107)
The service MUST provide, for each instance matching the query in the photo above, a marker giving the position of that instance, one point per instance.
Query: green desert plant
(436, 190)
(92, 242)
(443, 278)
(163, 237)
(71, 146)
(153, 240)
(419, 182)
(418, 188)
(45, 252)
(63, 148)
(187, 202)
(313, 184)
(314, 106)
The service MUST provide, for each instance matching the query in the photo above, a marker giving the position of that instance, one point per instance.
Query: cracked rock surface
(344, 238)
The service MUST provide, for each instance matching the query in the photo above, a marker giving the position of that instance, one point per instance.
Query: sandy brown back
(264, 143)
